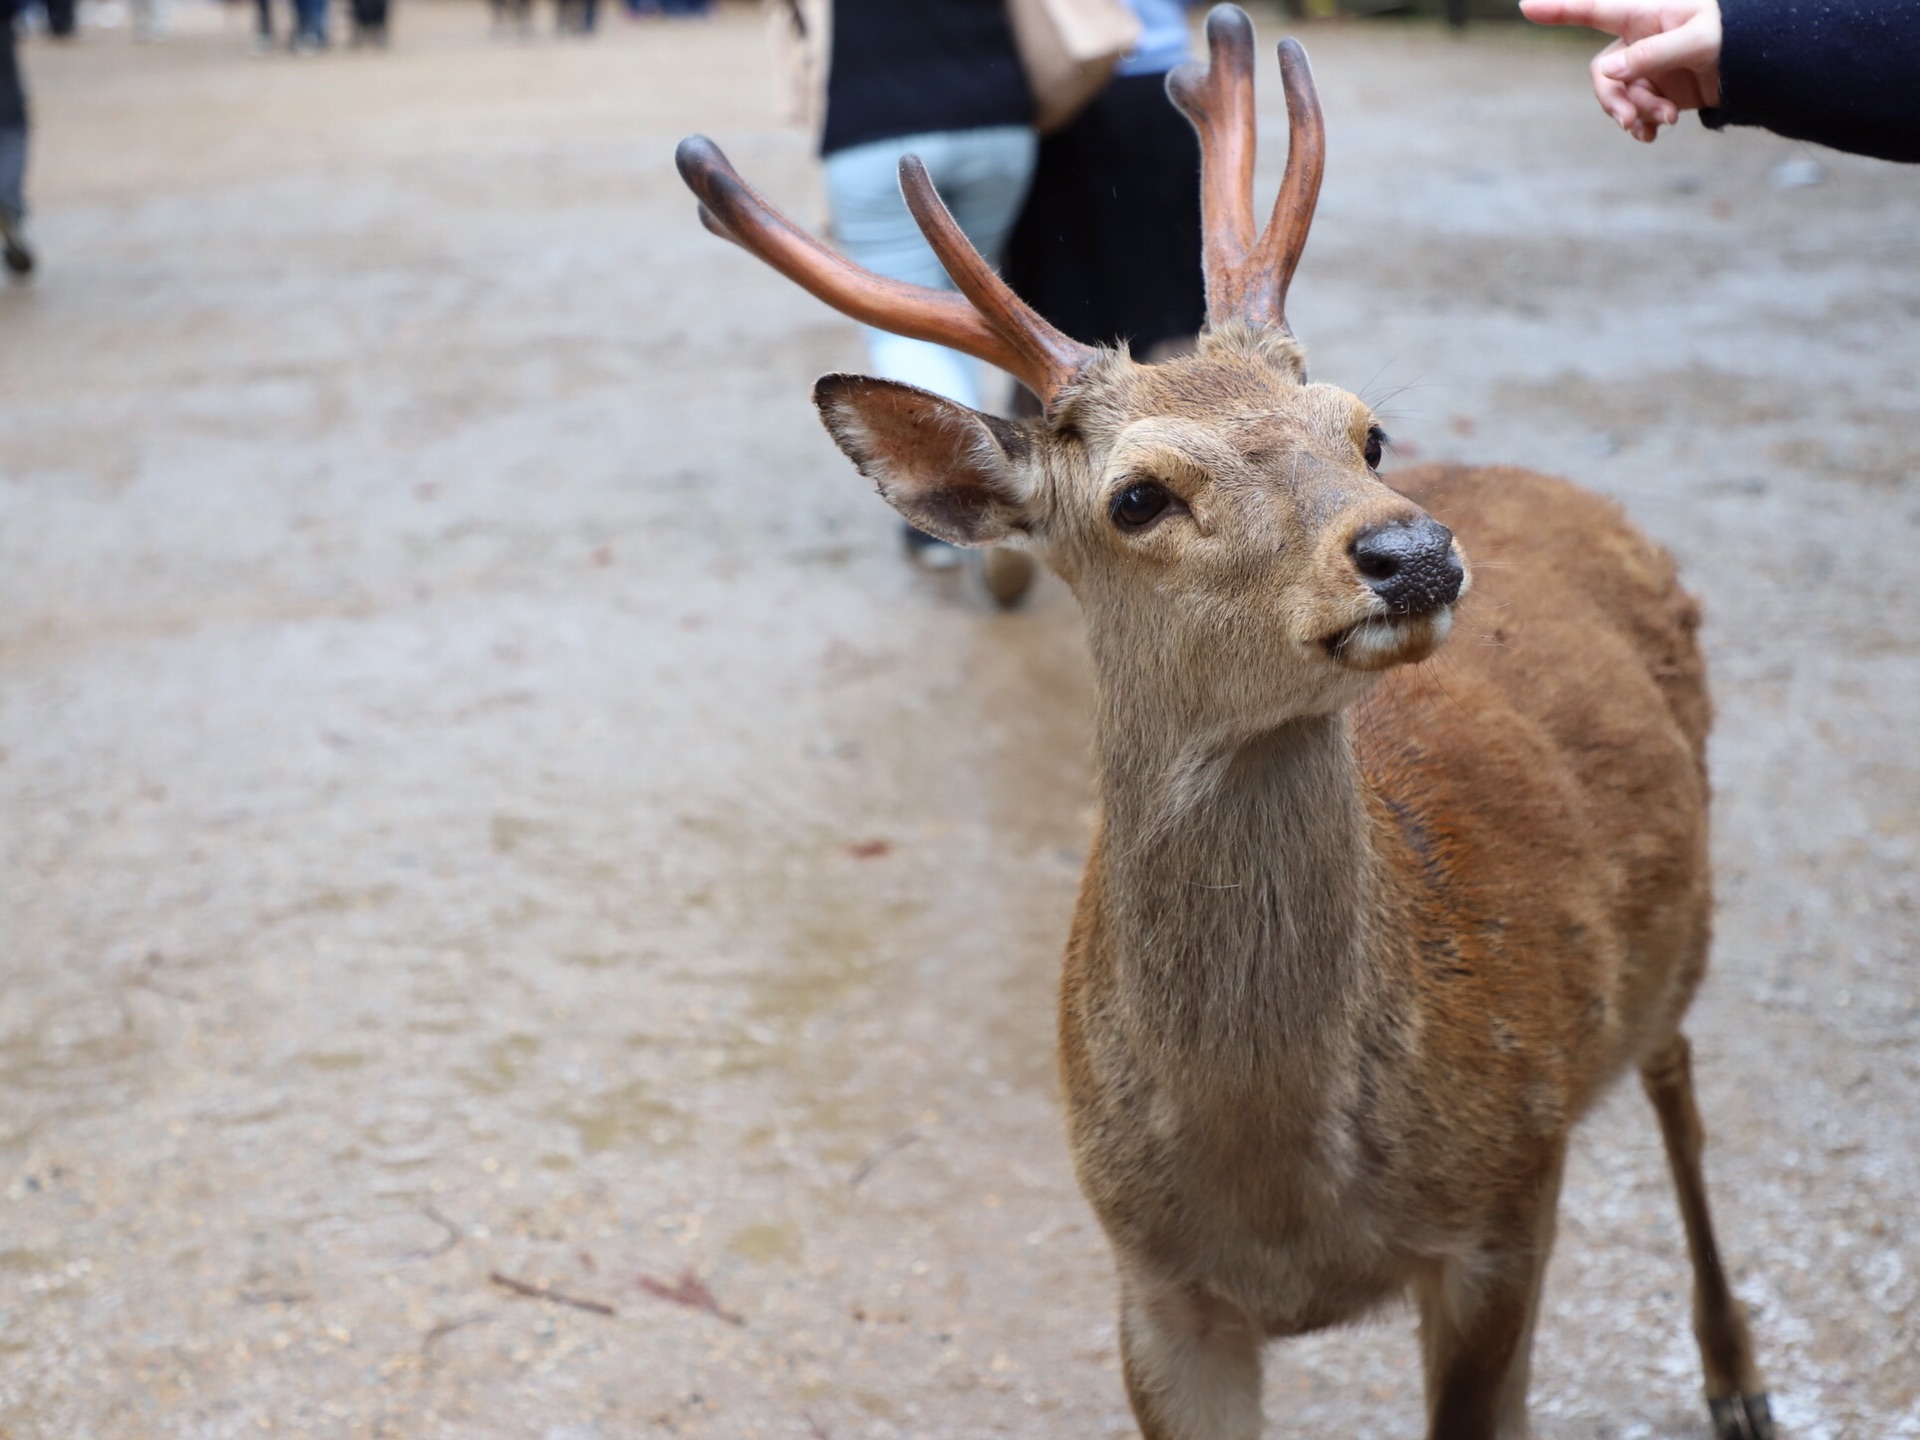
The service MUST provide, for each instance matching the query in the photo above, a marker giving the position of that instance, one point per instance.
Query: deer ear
(951, 471)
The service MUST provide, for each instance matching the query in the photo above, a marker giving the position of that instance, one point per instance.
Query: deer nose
(1410, 566)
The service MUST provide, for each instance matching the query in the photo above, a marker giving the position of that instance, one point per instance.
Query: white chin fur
(1384, 640)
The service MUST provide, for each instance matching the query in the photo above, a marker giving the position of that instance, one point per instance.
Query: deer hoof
(1741, 1417)
(1007, 574)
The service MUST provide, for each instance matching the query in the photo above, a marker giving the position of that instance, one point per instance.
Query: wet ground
(483, 803)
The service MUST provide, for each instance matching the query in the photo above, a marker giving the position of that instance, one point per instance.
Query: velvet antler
(987, 320)
(1247, 279)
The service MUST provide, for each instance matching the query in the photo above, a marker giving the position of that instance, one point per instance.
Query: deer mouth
(1383, 641)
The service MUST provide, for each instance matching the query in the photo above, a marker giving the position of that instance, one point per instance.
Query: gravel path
(483, 801)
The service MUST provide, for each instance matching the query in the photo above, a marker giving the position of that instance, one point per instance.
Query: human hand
(1666, 59)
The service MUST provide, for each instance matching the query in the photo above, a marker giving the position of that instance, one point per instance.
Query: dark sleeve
(1844, 73)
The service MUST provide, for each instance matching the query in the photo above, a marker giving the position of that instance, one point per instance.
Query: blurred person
(309, 25)
(517, 12)
(1108, 246)
(940, 79)
(61, 18)
(369, 23)
(575, 17)
(17, 253)
(1841, 74)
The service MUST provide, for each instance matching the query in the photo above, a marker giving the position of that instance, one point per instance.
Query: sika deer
(1353, 952)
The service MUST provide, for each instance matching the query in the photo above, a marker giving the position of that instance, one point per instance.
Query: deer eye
(1376, 442)
(1139, 505)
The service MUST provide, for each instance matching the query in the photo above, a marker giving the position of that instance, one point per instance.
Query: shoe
(930, 552)
(19, 254)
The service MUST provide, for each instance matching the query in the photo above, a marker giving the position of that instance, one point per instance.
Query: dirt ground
(481, 794)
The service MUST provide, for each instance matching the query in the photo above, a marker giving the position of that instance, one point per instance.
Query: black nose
(1411, 567)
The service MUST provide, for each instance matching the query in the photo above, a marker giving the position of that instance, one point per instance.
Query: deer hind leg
(1192, 1363)
(1735, 1396)
(1476, 1328)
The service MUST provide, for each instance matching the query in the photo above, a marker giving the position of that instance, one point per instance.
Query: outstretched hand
(1666, 59)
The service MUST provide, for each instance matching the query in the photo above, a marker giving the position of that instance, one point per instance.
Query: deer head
(1220, 518)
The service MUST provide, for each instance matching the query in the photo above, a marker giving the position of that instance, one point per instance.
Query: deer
(1358, 940)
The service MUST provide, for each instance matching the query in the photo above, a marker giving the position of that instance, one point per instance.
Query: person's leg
(1108, 247)
(983, 176)
(18, 255)
(13, 171)
(13, 157)
(310, 24)
(874, 230)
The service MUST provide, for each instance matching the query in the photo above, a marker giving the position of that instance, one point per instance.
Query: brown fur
(1360, 938)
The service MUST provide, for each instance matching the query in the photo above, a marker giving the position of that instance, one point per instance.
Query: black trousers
(1108, 247)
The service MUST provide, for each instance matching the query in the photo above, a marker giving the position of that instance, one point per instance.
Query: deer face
(1220, 520)
(1219, 517)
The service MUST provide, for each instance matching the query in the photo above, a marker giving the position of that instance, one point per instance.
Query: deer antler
(1247, 279)
(1218, 101)
(988, 321)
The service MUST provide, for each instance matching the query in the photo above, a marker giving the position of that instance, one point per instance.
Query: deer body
(1336, 993)
(1360, 937)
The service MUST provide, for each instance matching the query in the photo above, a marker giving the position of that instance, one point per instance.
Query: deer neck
(1240, 884)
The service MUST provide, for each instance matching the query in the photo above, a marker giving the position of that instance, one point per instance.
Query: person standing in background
(1108, 247)
(13, 151)
(369, 23)
(309, 25)
(940, 79)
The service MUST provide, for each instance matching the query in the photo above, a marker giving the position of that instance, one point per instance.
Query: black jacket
(908, 67)
(1844, 73)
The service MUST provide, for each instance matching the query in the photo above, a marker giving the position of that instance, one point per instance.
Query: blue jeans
(310, 19)
(983, 177)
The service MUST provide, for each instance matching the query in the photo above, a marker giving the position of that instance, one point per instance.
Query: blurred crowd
(1046, 128)
(306, 30)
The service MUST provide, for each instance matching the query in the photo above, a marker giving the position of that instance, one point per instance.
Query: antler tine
(1050, 358)
(733, 210)
(1270, 269)
(1218, 101)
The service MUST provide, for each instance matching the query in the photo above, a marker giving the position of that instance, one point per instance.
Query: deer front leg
(1192, 1363)
(1476, 1327)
